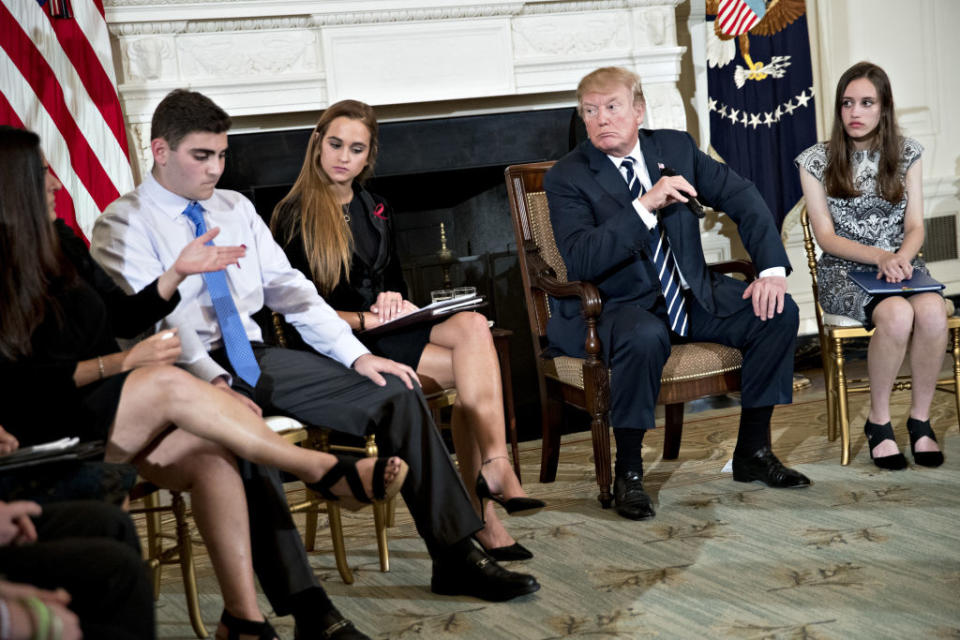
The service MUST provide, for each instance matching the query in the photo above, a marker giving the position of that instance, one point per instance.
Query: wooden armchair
(693, 370)
(834, 330)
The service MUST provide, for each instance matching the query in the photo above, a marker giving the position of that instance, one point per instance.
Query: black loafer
(762, 465)
(629, 498)
(479, 575)
(331, 626)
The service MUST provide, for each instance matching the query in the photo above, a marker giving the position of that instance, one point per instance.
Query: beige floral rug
(863, 553)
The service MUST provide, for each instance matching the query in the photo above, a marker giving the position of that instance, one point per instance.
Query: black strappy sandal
(877, 433)
(917, 429)
(237, 627)
(359, 499)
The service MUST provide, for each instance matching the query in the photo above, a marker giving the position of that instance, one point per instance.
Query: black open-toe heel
(359, 499)
(877, 433)
(514, 506)
(237, 627)
(513, 553)
(917, 429)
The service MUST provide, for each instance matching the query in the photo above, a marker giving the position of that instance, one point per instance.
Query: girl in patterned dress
(864, 196)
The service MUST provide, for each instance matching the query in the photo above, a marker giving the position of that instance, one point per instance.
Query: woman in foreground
(63, 374)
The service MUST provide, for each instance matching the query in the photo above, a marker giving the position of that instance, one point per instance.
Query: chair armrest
(743, 267)
(543, 277)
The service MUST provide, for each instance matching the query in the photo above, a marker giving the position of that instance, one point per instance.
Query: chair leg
(673, 430)
(955, 348)
(390, 509)
(380, 525)
(154, 541)
(336, 535)
(310, 530)
(829, 378)
(830, 388)
(843, 416)
(550, 453)
(186, 565)
(601, 455)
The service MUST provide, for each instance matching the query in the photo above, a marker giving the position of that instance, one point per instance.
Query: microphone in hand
(692, 203)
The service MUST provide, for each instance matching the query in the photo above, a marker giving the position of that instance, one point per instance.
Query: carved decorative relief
(270, 53)
(566, 35)
(418, 15)
(664, 107)
(166, 27)
(591, 5)
(140, 136)
(145, 59)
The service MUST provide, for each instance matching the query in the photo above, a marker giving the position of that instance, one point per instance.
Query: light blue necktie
(663, 261)
(235, 340)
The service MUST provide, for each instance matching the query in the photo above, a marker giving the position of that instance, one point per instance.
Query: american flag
(57, 79)
(736, 16)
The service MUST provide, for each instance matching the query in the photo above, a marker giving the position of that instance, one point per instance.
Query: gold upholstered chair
(693, 370)
(834, 331)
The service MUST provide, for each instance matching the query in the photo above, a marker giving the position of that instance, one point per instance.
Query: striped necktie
(633, 181)
(663, 260)
(669, 280)
(235, 339)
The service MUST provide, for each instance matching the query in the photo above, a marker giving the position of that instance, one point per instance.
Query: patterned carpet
(863, 553)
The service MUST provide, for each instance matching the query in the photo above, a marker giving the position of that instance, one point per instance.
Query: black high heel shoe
(514, 506)
(237, 627)
(516, 551)
(877, 433)
(917, 429)
(359, 499)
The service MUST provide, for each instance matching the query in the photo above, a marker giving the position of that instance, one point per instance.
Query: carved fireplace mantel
(269, 57)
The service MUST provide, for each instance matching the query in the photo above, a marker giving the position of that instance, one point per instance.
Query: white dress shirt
(139, 236)
(649, 218)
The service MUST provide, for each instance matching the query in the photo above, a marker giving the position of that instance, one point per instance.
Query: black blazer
(366, 280)
(602, 239)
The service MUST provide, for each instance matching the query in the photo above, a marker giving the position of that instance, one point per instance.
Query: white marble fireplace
(276, 63)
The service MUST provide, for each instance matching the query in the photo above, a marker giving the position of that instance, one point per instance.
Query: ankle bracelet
(489, 460)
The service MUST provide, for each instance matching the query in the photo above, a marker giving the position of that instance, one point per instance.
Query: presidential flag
(57, 79)
(760, 88)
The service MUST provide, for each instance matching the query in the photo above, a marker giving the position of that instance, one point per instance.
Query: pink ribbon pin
(378, 211)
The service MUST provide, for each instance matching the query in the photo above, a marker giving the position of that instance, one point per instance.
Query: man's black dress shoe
(331, 626)
(479, 575)
(629, 498)
(762, 465)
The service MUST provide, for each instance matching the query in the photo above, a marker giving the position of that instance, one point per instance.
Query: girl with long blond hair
(340, 235)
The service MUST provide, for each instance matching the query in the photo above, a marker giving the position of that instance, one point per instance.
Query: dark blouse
(40, 400)
(368, 275)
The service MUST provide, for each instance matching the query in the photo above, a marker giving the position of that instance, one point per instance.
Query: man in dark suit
(621, 221)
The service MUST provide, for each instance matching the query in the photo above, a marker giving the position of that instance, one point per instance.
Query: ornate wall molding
(417, 15)
(275, 57)
(535, 8)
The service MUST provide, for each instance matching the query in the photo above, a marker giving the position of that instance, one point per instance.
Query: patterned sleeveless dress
(867, 219)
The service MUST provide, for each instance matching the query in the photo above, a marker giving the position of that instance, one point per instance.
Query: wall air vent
(940, 238)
